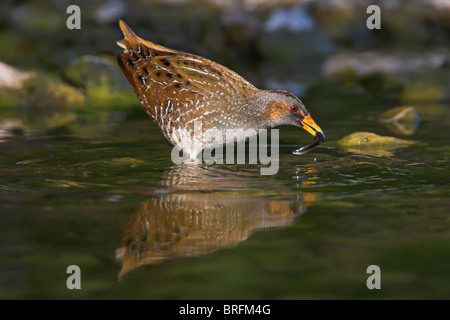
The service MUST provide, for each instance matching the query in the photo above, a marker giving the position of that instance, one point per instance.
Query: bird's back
(177, 89)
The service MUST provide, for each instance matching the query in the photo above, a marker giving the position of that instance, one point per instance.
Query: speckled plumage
(179, 89)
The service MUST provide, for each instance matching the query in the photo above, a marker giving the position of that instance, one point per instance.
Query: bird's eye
(294, 108)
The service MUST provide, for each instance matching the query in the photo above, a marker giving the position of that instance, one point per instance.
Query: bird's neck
(261, 101)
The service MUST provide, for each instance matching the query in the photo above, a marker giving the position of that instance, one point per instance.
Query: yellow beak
(310, 126)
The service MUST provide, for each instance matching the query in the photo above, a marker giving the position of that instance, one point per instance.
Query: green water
(102, 193)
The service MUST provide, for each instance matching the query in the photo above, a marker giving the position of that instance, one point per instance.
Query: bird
(183, 92)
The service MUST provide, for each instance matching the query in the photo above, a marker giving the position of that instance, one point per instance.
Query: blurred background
(287, 44)
(86, 177)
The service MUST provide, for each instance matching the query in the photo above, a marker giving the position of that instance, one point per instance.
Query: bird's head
(283, 108)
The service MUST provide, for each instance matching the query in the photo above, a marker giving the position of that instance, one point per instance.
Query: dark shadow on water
(184, 220)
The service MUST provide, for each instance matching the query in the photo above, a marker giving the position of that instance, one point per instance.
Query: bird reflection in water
(183, 220)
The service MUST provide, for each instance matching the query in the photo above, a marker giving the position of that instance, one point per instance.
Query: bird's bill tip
(312, 128)
(309, 125)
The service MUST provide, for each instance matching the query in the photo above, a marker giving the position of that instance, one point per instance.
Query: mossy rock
(44, 93)
(91, 72)
(371, 139)
(9, 98)
(102, 81)
(369, 143)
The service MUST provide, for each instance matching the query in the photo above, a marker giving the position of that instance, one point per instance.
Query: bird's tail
(133, 42)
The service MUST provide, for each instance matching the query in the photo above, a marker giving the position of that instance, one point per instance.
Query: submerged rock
(371, 139)
(369, 143)
(401, 120)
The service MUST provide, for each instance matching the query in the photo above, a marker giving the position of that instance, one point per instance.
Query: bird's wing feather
(177, 88)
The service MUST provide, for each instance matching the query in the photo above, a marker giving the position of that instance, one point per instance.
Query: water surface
(103, 194)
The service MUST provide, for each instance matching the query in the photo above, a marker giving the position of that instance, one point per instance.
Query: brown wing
(176, 87)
